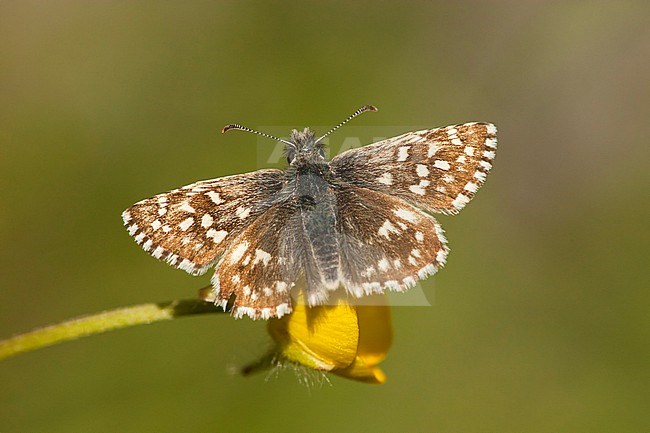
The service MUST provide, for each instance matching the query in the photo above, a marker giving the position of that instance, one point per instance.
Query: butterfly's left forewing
(192, 226)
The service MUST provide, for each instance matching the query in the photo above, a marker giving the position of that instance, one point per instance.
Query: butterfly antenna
(352, 116)
(243, 128)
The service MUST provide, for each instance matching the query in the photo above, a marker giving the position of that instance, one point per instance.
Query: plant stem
(101, 322)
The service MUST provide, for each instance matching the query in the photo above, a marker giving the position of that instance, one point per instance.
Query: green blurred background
(539, 321)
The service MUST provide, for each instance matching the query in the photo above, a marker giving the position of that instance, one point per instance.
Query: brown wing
(438, 169)
(191, 227)
(385, 243)
(261, 265)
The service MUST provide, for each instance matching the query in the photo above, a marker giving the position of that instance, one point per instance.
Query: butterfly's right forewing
(438, 170)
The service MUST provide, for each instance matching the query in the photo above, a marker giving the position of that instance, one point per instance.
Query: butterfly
(360, 223)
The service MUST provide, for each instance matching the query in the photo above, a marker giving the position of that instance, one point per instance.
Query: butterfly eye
(291, 154)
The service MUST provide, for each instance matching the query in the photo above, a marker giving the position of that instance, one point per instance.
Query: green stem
(101, 322)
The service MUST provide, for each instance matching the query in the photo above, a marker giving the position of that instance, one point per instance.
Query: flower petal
(322, 337)
(375, 333)
(362, 372)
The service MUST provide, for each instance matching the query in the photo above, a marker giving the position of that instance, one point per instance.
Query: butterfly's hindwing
(191, 227)
(436, 169)
(385, 243)
(261, 265)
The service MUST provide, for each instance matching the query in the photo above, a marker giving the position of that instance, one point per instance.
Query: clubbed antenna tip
(352, 116)
(231, 126)
(236, 126)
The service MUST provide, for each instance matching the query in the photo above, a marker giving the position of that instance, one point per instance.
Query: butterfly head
(305, 149)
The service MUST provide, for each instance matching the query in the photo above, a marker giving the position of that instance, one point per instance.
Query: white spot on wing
(207, 221)
(489, 154)
(261, 256)
(460, 201)
(386, 179)
(386, 229)
(217, 236)
(186, 265)
(240, 312)
(403, 153)
(432, 150)
(440, 233)
(441, 256)
(369, 272)
(214, 196)
(383, 265)
(469, 150)
(405, 214)
(419, 189)
(442, 165)
(242, 212)
(409, 281)
(238, 252)
(449, 178)
(471, 187)
(186, 223)
(158, 252)
(429, 269)
(185, 206)
(452, 133)
(422, 170)
(282, 309)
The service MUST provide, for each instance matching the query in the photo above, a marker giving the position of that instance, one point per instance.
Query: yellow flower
(347, 340)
